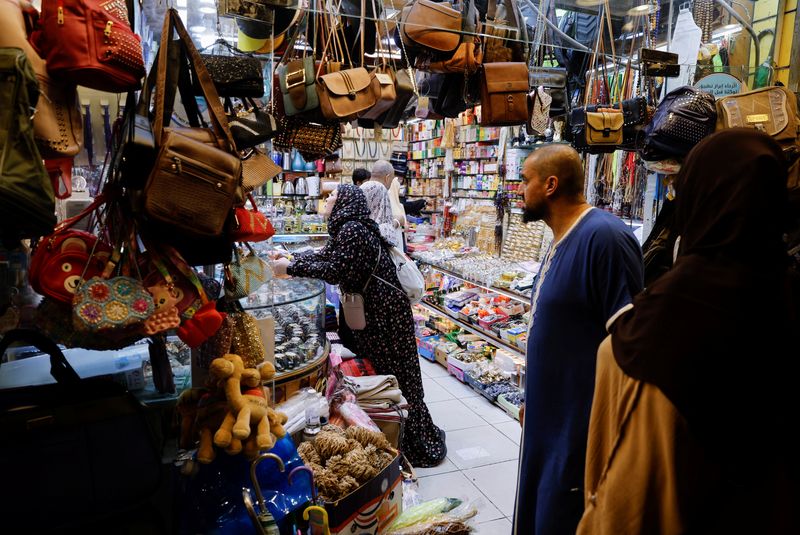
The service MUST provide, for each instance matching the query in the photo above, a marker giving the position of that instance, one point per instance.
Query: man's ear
(551, 184)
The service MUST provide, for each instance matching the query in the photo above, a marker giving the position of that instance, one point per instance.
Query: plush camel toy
(247, 406)
(202, 412)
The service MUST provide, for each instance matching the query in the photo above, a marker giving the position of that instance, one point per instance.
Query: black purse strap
(60, 369)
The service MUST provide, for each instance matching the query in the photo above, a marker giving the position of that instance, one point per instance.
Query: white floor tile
(443, 468)
(495, 527)
(479, 446)
(451, 415)
(487, 410)
(498, 482)
(432, 369)
(510, 429)
(434, 391)
(455, 387)
(457, 485)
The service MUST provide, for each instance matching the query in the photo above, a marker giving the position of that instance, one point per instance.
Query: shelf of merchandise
(473, 198)
(475, 189)
(288, 375)
(476, 330)
(300, 235)
(475, 158)
(475, 174)
(436, 195)
(525, 300)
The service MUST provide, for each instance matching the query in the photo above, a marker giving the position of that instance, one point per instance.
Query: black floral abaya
(348, 260)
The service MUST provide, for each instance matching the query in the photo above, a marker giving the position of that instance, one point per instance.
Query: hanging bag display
(772, 110)
(469, 55)
(194, 182)
(90, 42)
(433, 27)
(251, 125)
(246, 274)
(506, 33)
(250, 225)
(27, 200)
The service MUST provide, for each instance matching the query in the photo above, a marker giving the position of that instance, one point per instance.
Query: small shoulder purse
(353, 303)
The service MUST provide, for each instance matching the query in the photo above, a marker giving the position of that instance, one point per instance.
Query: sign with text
(720, 84)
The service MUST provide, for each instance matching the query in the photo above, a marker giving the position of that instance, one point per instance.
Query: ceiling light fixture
(642, 10)
(207, 10)
(211, 2)
(197, 29)
(588, 3)
(728, 29)
(181, 3)
(183, 14)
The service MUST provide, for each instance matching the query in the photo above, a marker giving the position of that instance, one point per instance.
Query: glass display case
(297, 307)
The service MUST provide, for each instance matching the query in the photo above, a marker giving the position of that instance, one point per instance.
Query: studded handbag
(90, 42)
(246, 274)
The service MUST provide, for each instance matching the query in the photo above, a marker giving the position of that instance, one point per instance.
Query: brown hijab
(708, 333)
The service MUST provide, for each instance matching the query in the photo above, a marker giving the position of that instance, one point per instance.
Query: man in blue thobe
(591, 271)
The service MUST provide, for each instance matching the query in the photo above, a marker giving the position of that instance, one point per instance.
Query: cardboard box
(369, 509)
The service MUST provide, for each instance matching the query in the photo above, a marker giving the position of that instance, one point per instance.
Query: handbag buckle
(606, 132)
(293, 81)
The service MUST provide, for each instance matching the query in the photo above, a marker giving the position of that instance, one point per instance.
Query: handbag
(345, 94)
(507, 35)
(504, 94)
(90, 43)
(386, 94)
(111, 306)
(468, 57)
(405, 89)
(246, 339)
(251, 225)
(333, 166)
(26, 193)
(77, 431)
(257, 170)
(246, 274)
(431, 26)
(251, 125)
(296, 79)
(684, 117)
(554, 82)
(773, 110)
(238, 75)
(313, 140)
(60, 260)
(634, 115)
(408, 274)
(193, 183)
(57, 123)
(353, 302)
(539, 104)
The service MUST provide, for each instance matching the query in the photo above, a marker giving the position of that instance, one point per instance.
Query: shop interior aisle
(482, 450)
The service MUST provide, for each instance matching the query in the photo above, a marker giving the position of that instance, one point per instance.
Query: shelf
(525, 300)
(475, 158)
(299, 235)
(421, 195)
(283, 377)
(474, 189)
(285, 171)
(473, 198)
(426, 178)
(491, 338)
(475, 174)
(536, 145)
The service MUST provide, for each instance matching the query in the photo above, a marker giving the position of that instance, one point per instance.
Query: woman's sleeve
(342, 261)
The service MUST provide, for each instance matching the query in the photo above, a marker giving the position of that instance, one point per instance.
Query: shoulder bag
(772, 110)
(504, 94)
(27, 200)
(431, 26)
(90, 42)
(353, 303)
(197, 172)
(468, 56)
(236, 75)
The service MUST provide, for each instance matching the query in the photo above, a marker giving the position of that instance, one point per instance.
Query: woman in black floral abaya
(354, 249)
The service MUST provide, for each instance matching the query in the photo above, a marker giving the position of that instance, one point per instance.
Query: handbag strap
(374, 269)
(215, 111)
(60, 368)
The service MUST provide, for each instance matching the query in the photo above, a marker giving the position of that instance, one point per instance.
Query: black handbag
(313, 140)
(250, 126)
(554, 81)
(681, 120)
(75, 455)
(239, 75)
(634, 111)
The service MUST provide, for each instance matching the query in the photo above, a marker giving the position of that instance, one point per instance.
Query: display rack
(476, 330)
(525, 300)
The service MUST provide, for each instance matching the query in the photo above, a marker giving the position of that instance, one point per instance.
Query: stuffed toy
(202, 412)
(249, 417)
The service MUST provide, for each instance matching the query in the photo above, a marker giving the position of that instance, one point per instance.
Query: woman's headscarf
(350, 205)
(708, 332)
(381, 209)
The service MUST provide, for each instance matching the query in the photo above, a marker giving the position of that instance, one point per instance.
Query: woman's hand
(279, 267)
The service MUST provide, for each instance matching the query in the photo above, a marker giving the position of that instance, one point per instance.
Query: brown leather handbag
(197, 171)
(469, 54)
(504, 94)
(434, 26)
(386, 94)
(345, 94)
(604, 126)
(404, 89)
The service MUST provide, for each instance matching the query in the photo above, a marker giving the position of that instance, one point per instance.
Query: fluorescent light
(207, 10)
(207, 39)
(644, 9)
(197, 29)
(728, 29)
(180, 3)
(588, 3)
(211, 2)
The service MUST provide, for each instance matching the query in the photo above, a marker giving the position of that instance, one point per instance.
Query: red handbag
(251, 225)
(62, 259)
(90, 42)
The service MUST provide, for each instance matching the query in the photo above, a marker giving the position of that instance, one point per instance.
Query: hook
(256, 485)
(311, 475)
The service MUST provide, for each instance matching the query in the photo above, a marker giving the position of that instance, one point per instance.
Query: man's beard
(529, 215)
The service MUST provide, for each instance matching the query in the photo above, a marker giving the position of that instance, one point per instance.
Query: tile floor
(482, 450)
